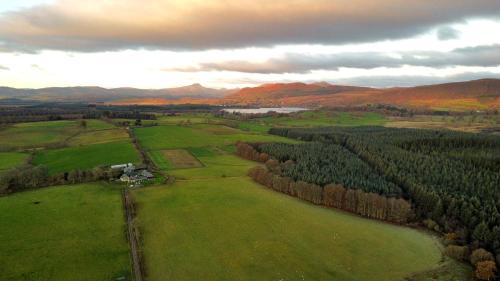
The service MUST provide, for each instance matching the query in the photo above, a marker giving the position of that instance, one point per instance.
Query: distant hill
(478, 94)
(470, 95)
(98, 94)
(281, 93)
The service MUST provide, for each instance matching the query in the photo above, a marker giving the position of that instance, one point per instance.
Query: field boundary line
(132, 237)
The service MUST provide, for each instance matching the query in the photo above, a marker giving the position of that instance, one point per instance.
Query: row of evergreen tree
(367, 204)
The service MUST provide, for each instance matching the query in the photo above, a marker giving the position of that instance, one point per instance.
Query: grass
(87, 157)
(324, 118)
(73, 233)
(214, 223)
(193, 118)
(94, 124)
(175, 137)
(216, 166)
(41, 134)
(449, 270)
(12, 159)
(37, 134)
(100, 136)
(233, 229)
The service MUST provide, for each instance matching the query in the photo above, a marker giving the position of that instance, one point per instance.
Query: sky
(239, 43)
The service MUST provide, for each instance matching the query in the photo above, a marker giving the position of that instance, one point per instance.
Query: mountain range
(98, 94)
(470, 95)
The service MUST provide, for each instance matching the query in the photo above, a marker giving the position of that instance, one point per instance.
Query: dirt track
(132, 237)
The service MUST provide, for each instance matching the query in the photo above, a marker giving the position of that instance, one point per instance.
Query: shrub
(485, 270)
(457, 252)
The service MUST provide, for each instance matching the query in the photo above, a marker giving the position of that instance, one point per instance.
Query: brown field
(181, 159)
(465, 124)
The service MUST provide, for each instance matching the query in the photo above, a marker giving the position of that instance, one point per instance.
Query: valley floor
(212, 223)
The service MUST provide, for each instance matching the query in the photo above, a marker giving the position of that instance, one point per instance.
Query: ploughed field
(214, 223)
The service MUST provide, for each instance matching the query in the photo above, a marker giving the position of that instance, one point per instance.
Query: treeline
(367, 204)
(393, 110)
(31, 177)
(453, 184)
(234, 115)
(119, 115)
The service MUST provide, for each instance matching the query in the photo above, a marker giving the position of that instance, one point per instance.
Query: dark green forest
(324, 163)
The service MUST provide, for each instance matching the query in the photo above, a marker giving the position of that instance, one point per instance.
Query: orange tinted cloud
(202, 24)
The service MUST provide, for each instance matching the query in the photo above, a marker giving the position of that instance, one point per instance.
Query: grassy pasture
(40, 134)
(100, 136)
(86, 157)
(215, 167)
(94, 124)
(194, 118)
(37, 134)
(324, 118)
(72, 233)
(11, 159)
(175, 137)
(233, 229)
(449, 270)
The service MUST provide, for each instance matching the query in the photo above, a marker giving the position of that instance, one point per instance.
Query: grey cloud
(485, 56)
(168, 24)
(447, 33)
(3, 67)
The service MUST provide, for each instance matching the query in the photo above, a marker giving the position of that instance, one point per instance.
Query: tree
(138, 122)
(480, 255)
(485, 270)
(481, 233)
(273, 166)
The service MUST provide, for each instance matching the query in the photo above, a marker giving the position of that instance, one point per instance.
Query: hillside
(471, 95)
(478, 94)
(98, 94)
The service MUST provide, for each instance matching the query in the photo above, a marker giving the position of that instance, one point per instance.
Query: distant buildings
(134, 177)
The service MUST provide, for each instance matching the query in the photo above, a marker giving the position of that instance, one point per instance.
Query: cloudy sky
(221, 43)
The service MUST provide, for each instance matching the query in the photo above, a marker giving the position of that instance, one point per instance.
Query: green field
(232, 229)
(40, 134)
(87, 157)
(324, 118)
(100, 136)
(174, 137)
(37, 134)
(449, 270)
(63, 233)
(12, 159)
